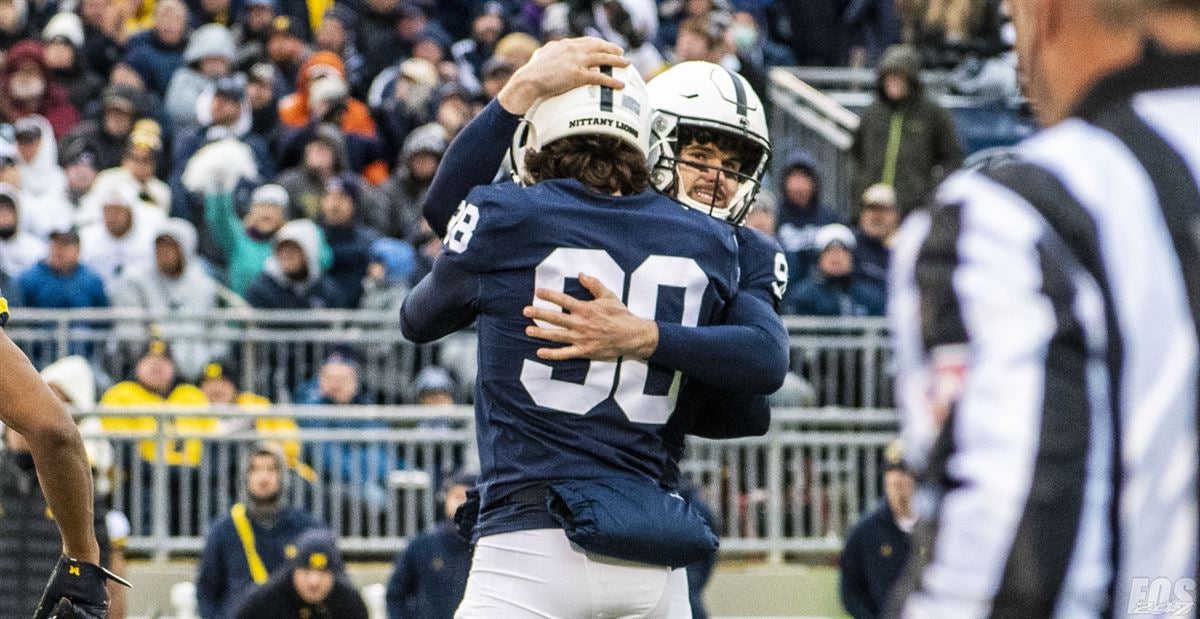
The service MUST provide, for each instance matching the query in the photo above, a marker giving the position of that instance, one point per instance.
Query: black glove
(76, 589)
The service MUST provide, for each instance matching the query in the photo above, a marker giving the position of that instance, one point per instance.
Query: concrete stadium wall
(736, 590)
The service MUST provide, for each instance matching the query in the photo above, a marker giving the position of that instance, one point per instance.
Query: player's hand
(76, 589)
(560, 66)
(600, 330)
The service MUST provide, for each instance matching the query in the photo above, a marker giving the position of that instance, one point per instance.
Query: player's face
(313, 586)
(705, 174)
(262, 480)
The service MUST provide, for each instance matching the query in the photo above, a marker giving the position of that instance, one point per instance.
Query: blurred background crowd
(192, 154)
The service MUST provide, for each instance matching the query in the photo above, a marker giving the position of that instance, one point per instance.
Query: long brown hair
(604, 164)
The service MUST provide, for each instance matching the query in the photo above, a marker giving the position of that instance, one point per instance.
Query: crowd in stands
(181, 155)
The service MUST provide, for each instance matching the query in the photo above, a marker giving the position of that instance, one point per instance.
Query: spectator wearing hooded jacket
(323, 96)
(63, 38)
(801, 214)
(390, 267)
(122, 241)
(175, 286)
(19, 250)
(292, 276)
(904, 138)
(26, 89)
(397, 208)
(43, 192)
(209, 56)
(348, 237)
(227, 571)
(156, 53)
(835, 289)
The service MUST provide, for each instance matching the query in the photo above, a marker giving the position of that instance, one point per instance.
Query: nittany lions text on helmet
(701, 95)
(588, 110)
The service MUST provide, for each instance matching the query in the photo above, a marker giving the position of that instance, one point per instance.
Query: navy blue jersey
(764, 269)
(538, 421)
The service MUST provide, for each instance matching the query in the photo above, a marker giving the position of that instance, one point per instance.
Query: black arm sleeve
(471, 160)
(720, 414)
(446, 301)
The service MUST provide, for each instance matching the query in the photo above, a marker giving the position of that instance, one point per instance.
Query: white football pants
(540, 573)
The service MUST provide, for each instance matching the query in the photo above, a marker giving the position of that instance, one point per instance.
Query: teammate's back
(539, 421)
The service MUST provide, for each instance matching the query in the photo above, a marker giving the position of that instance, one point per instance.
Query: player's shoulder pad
(757, 241)
(487, 211)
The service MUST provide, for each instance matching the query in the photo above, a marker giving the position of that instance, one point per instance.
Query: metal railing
(804, 117)
(795, 490)
(843, 361)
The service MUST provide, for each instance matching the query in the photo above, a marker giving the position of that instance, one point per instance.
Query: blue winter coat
(430, 576)
(853, 295)
(153, 60)
(223, 576)
(41, 287)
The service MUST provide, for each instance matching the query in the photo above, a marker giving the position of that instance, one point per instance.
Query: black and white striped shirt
(1038, 306)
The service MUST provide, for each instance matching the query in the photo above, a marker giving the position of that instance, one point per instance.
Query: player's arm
(748, 354)
(445, 301)
(29, 407)
(477, 152)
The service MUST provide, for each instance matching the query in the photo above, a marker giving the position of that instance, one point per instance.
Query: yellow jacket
(130, 394)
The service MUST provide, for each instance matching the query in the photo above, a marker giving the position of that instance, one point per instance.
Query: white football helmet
(587, 110)
(705, 96)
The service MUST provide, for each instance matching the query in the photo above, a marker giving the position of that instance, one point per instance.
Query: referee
(77, 586)
(1046, 314)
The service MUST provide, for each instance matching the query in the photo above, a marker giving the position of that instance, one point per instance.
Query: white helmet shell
(587, 110)
(703, 95)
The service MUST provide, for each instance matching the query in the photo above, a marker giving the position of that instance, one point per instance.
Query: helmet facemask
(672, 134)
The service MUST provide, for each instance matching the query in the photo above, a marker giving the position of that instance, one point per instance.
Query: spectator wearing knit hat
(834, 288)
(313, 585)
(247, 242)
(400, 97)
